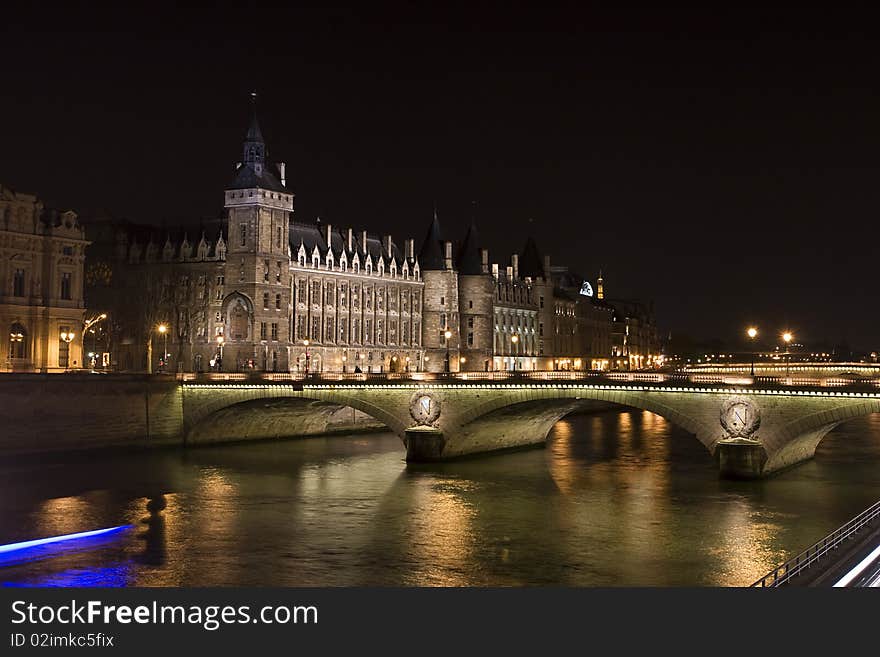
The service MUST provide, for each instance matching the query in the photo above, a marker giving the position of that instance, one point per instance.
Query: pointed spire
(530, 263)
(431, 253)
(470, 263)
(254, 133)
(254, 146)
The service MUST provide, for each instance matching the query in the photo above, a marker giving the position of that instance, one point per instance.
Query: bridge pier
(741, 459)
(424, 444)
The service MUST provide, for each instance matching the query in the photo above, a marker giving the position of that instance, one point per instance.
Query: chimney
(514, 265)
(495, 270)
(410, 249)
(387, 240)
(547, 266)
(329, 236)
(484, 254)
(509, 273)
(350, 240)
(281, 168)
(364, 241)
(448, 246)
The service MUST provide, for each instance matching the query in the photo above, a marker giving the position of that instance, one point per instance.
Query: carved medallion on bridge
(424, 408)
(740, 418)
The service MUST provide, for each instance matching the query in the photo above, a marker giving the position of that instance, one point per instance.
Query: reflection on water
(615, 499)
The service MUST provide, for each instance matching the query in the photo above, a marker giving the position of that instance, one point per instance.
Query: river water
(615, 499)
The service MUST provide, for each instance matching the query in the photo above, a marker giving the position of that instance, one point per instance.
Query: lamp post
(88, 324)
(514, 339)
(306, 343)
(163, 329)
(752, 333)
(447, 335)
(220, 341)
(787, 336)
(344, 359)
(66, 336)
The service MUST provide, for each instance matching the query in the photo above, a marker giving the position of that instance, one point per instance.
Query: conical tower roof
(469, 261)
(531, 264)
(431, 253)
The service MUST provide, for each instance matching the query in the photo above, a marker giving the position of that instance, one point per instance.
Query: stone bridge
(751, 430)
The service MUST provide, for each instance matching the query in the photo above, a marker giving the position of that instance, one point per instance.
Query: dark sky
(721, 163)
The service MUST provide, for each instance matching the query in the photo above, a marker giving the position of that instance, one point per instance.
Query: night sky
(721, 163)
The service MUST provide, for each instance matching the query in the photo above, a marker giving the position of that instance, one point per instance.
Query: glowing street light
(787, 337)
(514, 339)
(447, 334)
(306, 343)
(220, 341)
(753, 333)
(67, 336)
(87, 326)
(163, 329)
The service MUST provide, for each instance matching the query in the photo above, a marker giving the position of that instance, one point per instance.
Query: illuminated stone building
(635, 341)
(258, 289)
(261, 290)
(41, 301)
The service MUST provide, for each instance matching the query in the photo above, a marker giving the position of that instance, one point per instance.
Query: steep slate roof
(247, 178)
(315, 234)
(469, 261)
(255, 170)
(431, 253)
(530, 262)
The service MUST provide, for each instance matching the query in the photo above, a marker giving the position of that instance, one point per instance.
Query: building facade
(41, 301)
(259, 289)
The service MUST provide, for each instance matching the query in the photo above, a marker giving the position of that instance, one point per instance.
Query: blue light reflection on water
(60, 547)
(45, 548)
(108, 576)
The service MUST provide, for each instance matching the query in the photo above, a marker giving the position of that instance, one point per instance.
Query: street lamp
(306, 343)
(220, 341)
(514, 339)
(163, 329)
(752, 333)
(447, 335)
(787, 336)
(88, 324)
(66, 336)
(344, 358)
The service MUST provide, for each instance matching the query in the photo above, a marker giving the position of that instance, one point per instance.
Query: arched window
(18, 342)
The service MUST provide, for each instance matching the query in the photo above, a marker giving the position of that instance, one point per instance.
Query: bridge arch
(569, 400)
(797, 440)
(204, 406)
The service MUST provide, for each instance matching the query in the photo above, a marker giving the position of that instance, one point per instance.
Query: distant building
(41, 301)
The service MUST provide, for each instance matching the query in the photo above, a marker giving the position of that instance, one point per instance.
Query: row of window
(345, 331)
(274, 331)
(19, 287)
(514, 293)
(379, 299)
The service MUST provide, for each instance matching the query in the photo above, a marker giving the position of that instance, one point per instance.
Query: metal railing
(793, 567)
